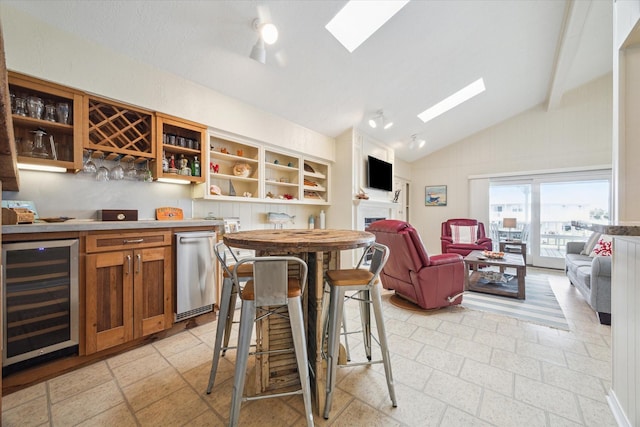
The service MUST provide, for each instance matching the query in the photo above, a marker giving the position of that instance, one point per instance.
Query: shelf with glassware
(315, 177)
(233, 170)
(181, 149)
(46, 120)
(282, 173)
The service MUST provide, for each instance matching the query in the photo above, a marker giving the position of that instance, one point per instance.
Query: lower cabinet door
(109, 300)
(153, 311)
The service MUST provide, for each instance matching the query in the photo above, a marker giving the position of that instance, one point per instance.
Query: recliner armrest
(446, 239)
(483, 240)
(444, 259)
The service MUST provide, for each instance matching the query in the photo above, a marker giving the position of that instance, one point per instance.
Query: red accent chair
(430, 282)
(480, 243)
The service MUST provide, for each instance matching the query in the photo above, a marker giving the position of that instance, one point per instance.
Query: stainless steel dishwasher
(195, 273)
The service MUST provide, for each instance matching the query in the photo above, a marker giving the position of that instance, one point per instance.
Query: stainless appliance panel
(195, 273)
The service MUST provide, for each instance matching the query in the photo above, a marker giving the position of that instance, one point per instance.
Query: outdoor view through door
(544, 208)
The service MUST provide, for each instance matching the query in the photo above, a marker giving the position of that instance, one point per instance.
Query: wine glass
(131, 173)
(89, 167)
(116, 173)
(103, 172)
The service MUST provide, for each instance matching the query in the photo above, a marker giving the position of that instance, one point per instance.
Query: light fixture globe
(373, 123)
(387, 125)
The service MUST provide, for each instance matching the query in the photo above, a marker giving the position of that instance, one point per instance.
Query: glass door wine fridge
(40, 301)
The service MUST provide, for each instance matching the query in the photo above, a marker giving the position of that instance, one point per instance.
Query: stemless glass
(63, 113)
(20, 107)
(35, 107)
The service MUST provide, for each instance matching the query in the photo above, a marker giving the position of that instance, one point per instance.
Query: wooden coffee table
(490, 281)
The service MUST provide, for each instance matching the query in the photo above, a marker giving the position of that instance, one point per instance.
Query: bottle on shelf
(322, 220)
(195, 167)
(311, 222)
(165, 162)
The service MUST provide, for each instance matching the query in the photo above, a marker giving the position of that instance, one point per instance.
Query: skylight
(452, 101)
(359, 19)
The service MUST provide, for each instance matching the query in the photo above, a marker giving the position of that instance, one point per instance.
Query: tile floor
(453, 367)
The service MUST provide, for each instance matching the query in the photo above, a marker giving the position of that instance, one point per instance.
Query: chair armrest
(575, 247)
(447, 239)
(444, 259)
(483, 240)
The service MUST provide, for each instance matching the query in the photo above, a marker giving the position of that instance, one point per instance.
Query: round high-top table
(320, 249)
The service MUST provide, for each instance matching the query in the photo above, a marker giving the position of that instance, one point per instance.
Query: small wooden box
(12, 216)
(117, 215)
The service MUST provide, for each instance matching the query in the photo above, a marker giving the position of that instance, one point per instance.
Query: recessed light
(359, 19)
(452, 101)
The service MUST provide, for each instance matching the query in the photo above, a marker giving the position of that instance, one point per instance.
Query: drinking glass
(35, 107)
(50, 113)
(131, 172)
(63, 113)
(21, 107)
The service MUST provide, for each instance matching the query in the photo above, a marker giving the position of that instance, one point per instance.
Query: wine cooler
(40, 302)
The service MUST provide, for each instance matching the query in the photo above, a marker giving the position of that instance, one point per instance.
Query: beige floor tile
(596, 414)
(516, 330)
(456, 418)
(588, 365)
(424, 320)
(600, 352)
(208, 419)
(488, 376)
(271, 412)
(366, 384)
(549, 398)
(414, 408)
(440, 359)
(454, 391)
(470, 349)
(178, 408)
(33, 412)
(119, 415)
(565, 343)
(138, 369)
(131, 356)
(456, 330)
(361, 414)
(75, 382)
(478, 321)
(404, 346)
(86, 405)
(521, 365)
(188, 359)
(176, 343)
(541, 352)
(153, 388)
(431, 337)
(22, 396)
(557, 421)
(495, 340)
(576, 382)
(500, 410)
(397, 327)
(407, 372)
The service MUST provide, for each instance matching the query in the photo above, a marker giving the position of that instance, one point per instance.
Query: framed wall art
(435, 195)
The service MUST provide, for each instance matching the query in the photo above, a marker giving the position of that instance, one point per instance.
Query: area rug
(540, 305)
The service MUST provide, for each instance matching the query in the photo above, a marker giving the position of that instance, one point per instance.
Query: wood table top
(509, 260)
(299, 240)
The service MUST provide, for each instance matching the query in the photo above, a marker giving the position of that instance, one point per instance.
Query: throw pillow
(464, 233)
(591, 243)
(603, 247)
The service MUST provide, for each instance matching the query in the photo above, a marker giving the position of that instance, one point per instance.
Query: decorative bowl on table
(493, 254)
(493, 276)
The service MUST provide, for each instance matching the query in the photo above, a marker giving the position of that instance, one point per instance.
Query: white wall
(577, 134)
(42, 51)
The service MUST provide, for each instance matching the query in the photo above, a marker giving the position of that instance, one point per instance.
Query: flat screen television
(380, 174)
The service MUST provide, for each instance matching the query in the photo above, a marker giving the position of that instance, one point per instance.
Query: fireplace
(370, 220)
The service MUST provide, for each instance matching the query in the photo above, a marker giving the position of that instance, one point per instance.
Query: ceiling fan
(267, 36)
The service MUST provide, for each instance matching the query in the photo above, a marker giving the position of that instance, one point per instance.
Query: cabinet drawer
(116, 241)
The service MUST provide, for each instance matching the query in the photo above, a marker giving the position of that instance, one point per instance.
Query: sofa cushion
(591, 243)
(603, 247)
(464, 233)
(583, 273)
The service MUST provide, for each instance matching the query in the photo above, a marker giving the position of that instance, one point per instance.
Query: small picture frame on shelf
(435, 195)
(231, 225)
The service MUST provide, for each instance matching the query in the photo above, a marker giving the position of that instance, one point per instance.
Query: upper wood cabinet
(47, 121)
(182, 142)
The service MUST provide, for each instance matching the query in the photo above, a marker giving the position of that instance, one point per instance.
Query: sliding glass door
(543, 208)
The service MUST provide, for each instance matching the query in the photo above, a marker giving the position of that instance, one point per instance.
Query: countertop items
(92, 225)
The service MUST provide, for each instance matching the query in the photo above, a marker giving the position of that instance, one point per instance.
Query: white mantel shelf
(374, 203)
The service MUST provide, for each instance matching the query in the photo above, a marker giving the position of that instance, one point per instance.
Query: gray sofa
(592, 277)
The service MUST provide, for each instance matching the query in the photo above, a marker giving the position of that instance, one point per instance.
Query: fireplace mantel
(373, 209)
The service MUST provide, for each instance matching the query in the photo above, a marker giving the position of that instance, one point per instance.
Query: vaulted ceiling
(529, 52)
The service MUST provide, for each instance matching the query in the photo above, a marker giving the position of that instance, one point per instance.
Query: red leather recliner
(429, 282)
(482, 243)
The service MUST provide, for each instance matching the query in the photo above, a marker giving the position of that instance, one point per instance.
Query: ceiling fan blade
(264, 13)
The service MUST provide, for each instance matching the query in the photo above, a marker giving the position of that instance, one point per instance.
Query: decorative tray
(493, 255)
(56, 219)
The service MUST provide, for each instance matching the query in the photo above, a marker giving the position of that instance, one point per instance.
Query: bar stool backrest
(220, 249)
(271, 278)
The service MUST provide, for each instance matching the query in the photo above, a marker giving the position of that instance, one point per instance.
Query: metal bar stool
(366, 283)
(228, 297)
(272, 292)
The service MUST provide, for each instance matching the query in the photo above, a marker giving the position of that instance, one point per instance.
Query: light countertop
(93, 225)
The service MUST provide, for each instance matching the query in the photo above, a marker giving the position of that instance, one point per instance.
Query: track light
(416, 143)
(380, 120)
(267, 33)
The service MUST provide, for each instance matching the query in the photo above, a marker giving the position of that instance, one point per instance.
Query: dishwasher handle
(193, 239)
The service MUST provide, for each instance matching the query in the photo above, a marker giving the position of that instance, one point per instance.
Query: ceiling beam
(575, 16)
